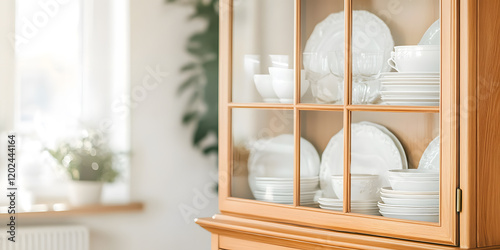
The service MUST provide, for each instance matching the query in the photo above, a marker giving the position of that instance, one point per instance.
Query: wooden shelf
(60, 209)
(336, 107)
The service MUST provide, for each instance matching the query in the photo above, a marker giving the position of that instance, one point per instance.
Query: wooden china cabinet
(466, 119)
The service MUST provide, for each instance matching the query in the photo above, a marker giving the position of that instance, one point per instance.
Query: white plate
(274, 158)
(361, 211)
(419, 217)
(410, 99)
(409, 88)
(389, 190)
(410, 74)
(409, 94)
(369, 34)
(384, 83)
(430, 157)
(272, 198)
(277, 179)
(305, 193)
(411, 202)
(433, 35)
(372, 152)
(385, 208)
(404, 160)
(409, 196)
(411, 103)
(337, 201)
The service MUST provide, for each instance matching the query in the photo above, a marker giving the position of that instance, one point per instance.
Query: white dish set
(416, 81)
(270, 170)
(414, 193)
(378, 160)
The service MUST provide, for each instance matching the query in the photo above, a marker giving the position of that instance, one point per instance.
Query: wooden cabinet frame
(445, 232)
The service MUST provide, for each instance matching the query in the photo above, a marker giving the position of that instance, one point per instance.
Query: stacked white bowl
(280, 190)
(279, 84)
(414, 195)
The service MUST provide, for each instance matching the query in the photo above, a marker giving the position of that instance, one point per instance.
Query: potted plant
(89, 163)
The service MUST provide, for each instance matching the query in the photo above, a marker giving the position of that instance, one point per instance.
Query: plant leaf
(192, 80)
(189, 66)
(188, 116)
(211, 149)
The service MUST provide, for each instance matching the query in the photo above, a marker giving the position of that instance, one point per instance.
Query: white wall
(6, 65)
(167, 172)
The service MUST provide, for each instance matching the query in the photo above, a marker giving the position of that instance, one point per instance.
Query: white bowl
(280, 61)
(416, 179)
(405, 185)
(413, 173)
(363, 186)
(264, 85)
(284, 85)
(411, 202)
(416, 58)
(419, 217)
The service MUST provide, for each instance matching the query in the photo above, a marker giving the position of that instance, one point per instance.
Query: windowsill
(60, 209)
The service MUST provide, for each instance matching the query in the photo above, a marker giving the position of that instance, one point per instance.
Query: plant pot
(83, 193)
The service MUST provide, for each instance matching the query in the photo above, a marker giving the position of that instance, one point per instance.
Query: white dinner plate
(411, 103)
(410, 75)
(430, 157)
(277, 179)
(302, 193)
(409, 94)
(273, 158)
(413, 87)
(404, 160)
(409, 196)
(411, 202)
(369, 34)
(409, 99)
(433, 35)
(372, 152)
(407, 209)
(385, 82)
(419, 217)
(389, 190)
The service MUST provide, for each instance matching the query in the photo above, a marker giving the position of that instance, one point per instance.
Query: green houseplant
(89, 163)
(202, 75)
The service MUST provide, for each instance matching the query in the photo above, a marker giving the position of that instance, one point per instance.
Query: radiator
(46, 238)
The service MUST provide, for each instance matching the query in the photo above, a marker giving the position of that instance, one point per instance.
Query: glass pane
(322, 36)
(396, 52)
(263, 155)
(395, 165)
(322, 135)
(263, 51)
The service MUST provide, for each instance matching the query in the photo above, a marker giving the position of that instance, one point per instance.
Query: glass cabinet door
(341, 114)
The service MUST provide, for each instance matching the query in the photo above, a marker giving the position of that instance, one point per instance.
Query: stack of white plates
(414, 195)
(360, 207)
(414, 89)
(280, 190)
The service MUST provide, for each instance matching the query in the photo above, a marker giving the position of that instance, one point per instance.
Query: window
(70, 62)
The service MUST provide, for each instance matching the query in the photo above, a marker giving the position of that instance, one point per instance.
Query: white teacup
(363, 187)
(417, 58)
